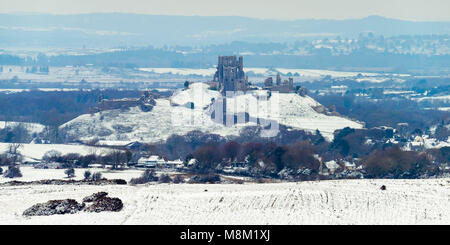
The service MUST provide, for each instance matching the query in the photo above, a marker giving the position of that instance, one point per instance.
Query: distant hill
(116, 29)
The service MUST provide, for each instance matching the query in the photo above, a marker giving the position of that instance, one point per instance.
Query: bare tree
(13, 153)
(118, 158)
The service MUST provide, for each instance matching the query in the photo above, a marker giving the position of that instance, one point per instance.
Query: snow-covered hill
(290, 109)
(190, 109)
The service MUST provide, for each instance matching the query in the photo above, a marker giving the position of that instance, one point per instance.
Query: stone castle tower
(230, 74)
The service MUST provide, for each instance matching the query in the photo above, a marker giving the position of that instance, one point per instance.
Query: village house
(159, 162)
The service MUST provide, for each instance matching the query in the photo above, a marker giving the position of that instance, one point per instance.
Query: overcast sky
(428, 10)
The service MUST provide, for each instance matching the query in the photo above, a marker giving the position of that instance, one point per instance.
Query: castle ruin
(230, 74)
(287, 86)
(145, 102)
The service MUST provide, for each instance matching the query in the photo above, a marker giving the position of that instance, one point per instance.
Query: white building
(151, 162)
(332, 166)
(159, 162)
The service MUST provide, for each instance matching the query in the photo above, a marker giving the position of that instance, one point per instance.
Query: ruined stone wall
(230, 74)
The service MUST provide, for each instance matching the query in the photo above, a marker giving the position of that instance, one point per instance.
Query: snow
(293, 110)
(267, 72)
(12, 90)
(153, 126)
(427, 142)
(201, 72)
(114, 142)
(332, 165)
(36, 151)
(30, 173)
(320, 73)
(174, 116)
(444, 108)
(31, 127)
(373, 79)
(89, 73)
(444, 98)
(198, 93)
(348, 202)
(151, 160)
(398, 92)
(181, 71)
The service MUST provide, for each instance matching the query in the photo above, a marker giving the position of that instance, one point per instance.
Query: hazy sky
(275, 9)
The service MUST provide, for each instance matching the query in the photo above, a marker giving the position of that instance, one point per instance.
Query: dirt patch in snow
(100, 203)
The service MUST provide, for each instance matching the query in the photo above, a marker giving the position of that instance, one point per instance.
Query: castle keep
(230, 74)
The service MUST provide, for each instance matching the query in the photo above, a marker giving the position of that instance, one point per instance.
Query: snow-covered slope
(155, 125)
(174, 116)
(423, 201)
(198, 93)
(31, 127)
(292, 110)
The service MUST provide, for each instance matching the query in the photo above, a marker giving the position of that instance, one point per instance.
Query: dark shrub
(395, 163)
(231, 150)
(12, 172)
(441, 155)
(70, 172)
(52, 156)
(105, 204)
(95, 196)
(1, 170)
(120, 181)
(260, 180)
(299, 156)
(164, 178)
(208, 158)
(206, 178)
(67, 206)
(97, 176)
(178, 179)
(210, 178)
(276, 156)
(147, 176)
(87, 174)
(86, 160)
(194, 179)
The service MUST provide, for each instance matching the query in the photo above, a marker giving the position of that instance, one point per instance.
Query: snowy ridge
(175, 116)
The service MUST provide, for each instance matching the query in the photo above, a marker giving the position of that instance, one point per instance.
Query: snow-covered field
(317, 202)
(181, 71)
(31, 127)
(311, 73)
(33, 174)
(320, 73)
(175, 116)
(36, 151)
